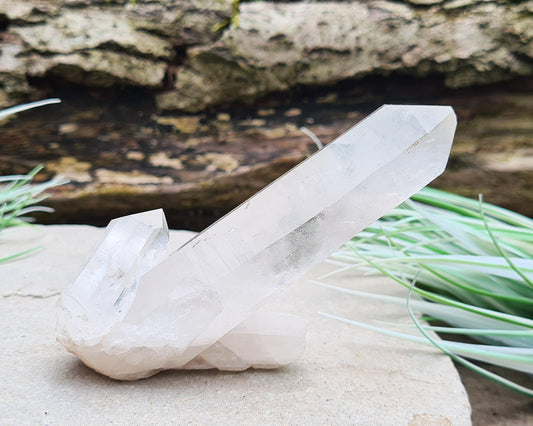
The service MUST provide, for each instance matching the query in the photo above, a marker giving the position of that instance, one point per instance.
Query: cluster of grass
(18, 194)
(466, 263)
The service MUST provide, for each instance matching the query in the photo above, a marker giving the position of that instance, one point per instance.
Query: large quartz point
(135, 310)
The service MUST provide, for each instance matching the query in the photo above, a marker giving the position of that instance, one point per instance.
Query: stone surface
(74, 31)
(495, 405)
(99, 43)
(280, 46)
(102, 67)
(219, 51)
(347, 376)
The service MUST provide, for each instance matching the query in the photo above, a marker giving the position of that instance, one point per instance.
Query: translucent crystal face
(134, 310)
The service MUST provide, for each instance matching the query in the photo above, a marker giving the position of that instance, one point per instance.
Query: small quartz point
(135, 310)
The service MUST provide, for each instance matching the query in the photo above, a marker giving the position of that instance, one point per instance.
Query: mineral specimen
(134, 310)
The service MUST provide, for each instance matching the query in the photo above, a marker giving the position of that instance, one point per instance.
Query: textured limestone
(346, 376)
(75, 30)
(101, 68)
(13, 79)
(182, 22)
(211, 53)
(99, 43)
(276, 47)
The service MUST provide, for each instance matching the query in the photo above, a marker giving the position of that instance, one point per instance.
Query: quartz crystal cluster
(135, 309)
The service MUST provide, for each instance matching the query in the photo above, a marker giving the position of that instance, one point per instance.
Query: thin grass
(19, 196)
(473, 267)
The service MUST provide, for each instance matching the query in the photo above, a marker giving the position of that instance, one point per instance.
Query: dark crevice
(112, 46)
(350, 92)
(179, 57)
(79, 95)
(522, 57)
(4, 23)
(391, 87)
(370, 90)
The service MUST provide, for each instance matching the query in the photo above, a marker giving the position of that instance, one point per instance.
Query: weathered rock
(100, 43)
(99, 68)
(279, 46)
(13, 82)
(181, 22)
(185, 22)
(208, 53)
(75, 30)
(286, 64)
(28, 12)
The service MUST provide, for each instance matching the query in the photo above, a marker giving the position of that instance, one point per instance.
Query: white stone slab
(346, 376)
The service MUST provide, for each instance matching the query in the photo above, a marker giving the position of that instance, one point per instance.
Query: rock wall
(101, 43)
(279, 46)
(195, 54)
(195, 105)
